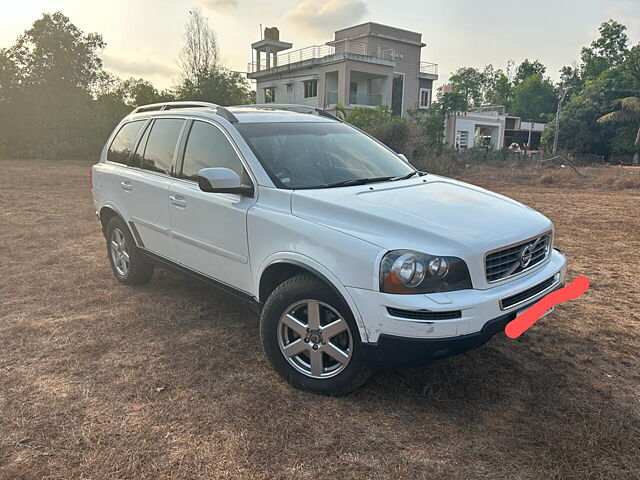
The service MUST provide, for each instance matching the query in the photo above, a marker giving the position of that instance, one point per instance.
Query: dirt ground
(168, 380)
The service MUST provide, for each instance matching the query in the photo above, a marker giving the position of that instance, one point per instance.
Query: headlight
(407, 272)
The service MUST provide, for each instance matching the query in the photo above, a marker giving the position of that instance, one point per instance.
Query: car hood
(431, 214)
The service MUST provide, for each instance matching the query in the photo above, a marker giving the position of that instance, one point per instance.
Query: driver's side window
(208, 147)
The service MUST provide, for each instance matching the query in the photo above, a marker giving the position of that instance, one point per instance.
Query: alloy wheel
(315, 339)
(119, 252)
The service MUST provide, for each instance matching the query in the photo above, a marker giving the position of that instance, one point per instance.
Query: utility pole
(557, 129)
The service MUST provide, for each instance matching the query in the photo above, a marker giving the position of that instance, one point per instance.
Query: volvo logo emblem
(525, 255)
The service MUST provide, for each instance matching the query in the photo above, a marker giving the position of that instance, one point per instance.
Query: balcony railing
(429, 68)
(331, 98)
(320, 51)
(365, 99)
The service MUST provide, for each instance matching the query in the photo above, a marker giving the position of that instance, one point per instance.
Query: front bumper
(480, 313)
(391, 352)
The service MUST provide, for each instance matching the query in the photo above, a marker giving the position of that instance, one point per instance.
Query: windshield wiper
(357, 181)
(408, 175)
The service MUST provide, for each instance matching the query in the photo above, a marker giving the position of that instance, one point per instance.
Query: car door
(211, 228)
(147, 185)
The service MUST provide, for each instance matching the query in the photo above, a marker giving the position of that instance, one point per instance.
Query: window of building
(269, 95)
(161, 145)
(207, 147)
(289, 88)
(425, 98)
(462, 139)
(311, 88)
(353, 87)
(123, 142)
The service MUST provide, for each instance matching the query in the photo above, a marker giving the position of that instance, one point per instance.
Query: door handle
(126, 186)
(178, 200)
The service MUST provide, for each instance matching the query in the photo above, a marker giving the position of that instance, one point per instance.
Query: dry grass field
(168, 380)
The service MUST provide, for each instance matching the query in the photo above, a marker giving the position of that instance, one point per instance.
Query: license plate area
(520, 312)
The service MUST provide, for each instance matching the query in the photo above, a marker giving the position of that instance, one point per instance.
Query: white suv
(354, 260)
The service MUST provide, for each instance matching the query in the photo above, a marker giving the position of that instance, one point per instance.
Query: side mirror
(222, 180)
(403, 158)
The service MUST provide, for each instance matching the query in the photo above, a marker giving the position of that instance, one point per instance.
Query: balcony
(429, 70)
(355, 99)
(317, 54)
(365, 99)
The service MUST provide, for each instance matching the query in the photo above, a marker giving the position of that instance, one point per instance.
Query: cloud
(219, 5)
(323, 16)
(134, 66)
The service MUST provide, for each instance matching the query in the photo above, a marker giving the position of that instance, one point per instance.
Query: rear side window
(136, 158)
(208, 147)
(123, 142)
(161, 145)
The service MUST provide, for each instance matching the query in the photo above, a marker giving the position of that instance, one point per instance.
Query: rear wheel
(128, 264)
(311, 338)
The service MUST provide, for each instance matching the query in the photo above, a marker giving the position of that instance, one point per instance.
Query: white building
(364, 66)
(490, 127)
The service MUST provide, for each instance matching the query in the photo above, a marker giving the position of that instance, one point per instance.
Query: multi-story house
(364, 66)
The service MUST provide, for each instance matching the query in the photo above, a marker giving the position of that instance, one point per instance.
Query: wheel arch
(284, 266)
(109, 211)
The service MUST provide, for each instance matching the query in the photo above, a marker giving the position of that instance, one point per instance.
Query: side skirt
(250, 302)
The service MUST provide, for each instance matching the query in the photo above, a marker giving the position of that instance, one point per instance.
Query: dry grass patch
(168, 380)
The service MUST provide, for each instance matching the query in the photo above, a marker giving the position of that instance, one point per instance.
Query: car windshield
(320, 154)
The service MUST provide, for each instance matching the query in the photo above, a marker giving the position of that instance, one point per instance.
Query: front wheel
(311, 338)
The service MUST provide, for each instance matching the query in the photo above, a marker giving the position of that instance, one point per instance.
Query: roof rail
(223, 112)
(292, 107)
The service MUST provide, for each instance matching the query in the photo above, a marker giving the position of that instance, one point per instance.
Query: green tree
(53, 68)
(533, 99)
(137, 91)
(451, 102)
(500, 92)
(54, 50)
(528, 68)
(608, 51)
(469, 82)
(628, 113)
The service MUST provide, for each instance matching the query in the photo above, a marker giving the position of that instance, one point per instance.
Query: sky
(144, 37)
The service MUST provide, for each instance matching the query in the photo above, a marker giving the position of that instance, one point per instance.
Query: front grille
(424, 315)
(508, 261)
(527, 294)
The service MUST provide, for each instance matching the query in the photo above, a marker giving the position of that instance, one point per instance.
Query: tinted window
(208, 147)
(123, 142)
(315, 154)
(158, 154)
(136, 158)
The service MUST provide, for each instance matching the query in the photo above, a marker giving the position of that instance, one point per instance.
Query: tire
(127, 263)
(341, 368)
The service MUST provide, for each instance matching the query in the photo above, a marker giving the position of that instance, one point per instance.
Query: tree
(533, 98)
(137, 91)
(500, 91)
(451, 102)
(220, 86)
(628, 113)
(528, 68)
(469, 82)
(199, 55)
(608, 51)
(570, 78)
(56, 51)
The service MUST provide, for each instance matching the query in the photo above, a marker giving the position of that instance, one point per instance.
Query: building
(364, 66)
(491, 127)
